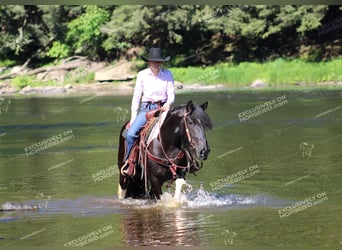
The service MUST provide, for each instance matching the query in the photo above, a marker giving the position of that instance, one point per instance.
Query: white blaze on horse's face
(195, 123)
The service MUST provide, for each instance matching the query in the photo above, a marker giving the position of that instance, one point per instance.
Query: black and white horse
(177, 150)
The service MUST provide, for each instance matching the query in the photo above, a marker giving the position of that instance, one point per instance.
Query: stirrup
(124, 168)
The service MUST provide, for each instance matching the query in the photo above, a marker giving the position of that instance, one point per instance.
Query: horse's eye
(190, 122)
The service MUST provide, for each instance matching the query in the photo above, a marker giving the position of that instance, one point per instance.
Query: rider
(154, 88)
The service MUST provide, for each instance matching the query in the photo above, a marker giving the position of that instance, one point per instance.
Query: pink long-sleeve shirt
(153, 88)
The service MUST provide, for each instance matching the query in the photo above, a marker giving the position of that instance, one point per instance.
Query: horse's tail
(122, 146)
(122, 185)
(128, 186)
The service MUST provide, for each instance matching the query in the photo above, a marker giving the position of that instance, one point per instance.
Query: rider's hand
(128, 125)
(165, 107)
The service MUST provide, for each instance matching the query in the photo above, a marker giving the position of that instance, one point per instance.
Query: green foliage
(193, 34)
(12, 39)
(30, 29)
(59, 50)
(7, 63)
(278, 72)
(22, 81)
(87, 78)
(84, 32)
(126, 23)
(312, 16)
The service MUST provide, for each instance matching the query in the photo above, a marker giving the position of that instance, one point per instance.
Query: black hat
(155, 55)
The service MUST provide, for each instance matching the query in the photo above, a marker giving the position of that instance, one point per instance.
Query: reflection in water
(173, 221)
(161, 226)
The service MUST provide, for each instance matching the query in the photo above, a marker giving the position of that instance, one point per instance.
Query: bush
(7, 63)
(59, 50)
(22, 81)
(82, 78)
(278, 72)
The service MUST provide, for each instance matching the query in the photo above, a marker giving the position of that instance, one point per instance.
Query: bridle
(172, 162)
(188, 135)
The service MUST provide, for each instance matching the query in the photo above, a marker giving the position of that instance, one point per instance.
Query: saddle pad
(155, 130)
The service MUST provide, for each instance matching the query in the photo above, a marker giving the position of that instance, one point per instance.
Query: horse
(180, 145)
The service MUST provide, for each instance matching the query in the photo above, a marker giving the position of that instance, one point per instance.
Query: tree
(27, 31)
(193, 34)
(84, 36)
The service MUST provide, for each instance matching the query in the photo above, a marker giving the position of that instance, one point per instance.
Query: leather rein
(171, 162)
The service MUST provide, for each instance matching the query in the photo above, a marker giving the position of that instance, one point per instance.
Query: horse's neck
(171, 132)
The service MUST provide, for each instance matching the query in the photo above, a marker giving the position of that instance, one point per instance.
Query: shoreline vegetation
(61, 49)
(280, 74)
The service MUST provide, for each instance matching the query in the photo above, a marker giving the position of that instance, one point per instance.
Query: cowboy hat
(155, 55)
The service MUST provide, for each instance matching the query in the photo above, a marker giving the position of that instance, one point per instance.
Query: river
(273, 177)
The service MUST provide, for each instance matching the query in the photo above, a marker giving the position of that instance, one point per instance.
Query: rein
(167, 161)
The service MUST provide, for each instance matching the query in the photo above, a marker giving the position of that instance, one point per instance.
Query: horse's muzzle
(204, 153)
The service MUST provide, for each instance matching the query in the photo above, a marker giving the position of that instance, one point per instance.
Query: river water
(273, 177)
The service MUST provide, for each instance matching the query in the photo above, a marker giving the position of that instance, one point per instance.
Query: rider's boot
(128, 169)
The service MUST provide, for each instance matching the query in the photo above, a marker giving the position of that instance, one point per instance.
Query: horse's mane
(197, 113)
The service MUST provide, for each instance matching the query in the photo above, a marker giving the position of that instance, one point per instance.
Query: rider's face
(155, 66)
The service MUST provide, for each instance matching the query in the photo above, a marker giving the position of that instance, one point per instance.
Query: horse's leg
(121, 192)
(155, 191)
(122, 187)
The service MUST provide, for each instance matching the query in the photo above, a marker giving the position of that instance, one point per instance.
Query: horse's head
(196, 122)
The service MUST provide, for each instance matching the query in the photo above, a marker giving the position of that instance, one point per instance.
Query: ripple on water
(188, 198)
(199, 199)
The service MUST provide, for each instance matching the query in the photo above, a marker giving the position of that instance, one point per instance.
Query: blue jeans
(133, 131)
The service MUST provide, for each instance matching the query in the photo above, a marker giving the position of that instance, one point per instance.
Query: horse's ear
(189, 106)
(204, 106)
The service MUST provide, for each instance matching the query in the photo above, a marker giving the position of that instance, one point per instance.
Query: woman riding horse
(155, 89)
(179, 146)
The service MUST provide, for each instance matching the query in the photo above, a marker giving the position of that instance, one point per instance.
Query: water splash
(203, 198)
(186, 197)
(179, 185)
(8, 206)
